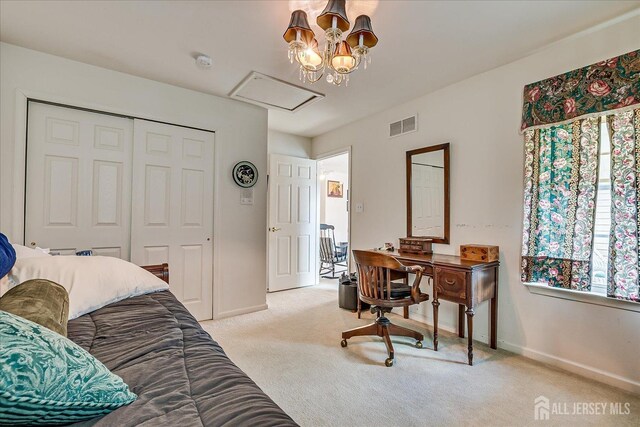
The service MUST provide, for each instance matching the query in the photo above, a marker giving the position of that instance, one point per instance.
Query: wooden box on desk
(415, 245)
(480, 252)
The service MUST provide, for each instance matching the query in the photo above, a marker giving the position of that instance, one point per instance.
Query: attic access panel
(269, 92)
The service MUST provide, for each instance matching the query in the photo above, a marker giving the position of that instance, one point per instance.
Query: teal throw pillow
(46, 378)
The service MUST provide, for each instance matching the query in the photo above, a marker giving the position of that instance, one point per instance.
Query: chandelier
(339, 57)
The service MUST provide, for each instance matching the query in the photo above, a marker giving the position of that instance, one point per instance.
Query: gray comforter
(181, 376)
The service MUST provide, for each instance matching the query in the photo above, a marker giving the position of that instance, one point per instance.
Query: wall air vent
(269, 92)
(410, 124)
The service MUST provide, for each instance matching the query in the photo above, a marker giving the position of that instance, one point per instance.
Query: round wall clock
(245, 174)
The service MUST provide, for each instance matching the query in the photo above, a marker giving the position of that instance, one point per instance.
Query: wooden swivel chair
(375, 287)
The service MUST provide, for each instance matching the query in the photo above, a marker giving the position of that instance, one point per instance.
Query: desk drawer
(451, 284)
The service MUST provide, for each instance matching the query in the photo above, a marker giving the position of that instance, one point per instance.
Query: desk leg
(435, 304)
(470, 314)
(461, 320)
(406, 308)
(493, 306)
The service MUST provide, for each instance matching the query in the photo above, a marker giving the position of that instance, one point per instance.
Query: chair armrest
(415, 288)
(412, 269)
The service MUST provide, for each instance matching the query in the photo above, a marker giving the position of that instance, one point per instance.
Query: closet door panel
(78, 193)
(60, 191)
(172, 211)
(157, 196)
(107, 193)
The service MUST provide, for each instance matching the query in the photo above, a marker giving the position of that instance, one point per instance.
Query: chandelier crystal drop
(340, 57)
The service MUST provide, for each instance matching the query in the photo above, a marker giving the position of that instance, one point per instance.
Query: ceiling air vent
(269, 92)
(410, 124)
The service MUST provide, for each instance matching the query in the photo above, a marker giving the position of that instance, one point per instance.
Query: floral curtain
(561, 164)
(613, 84)
(624, 243)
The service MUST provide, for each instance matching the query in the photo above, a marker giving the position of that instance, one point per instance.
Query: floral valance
(608, 85)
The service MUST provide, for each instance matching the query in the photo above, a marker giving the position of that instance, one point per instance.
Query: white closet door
(292, 222)
(172, 209)
(78, 189)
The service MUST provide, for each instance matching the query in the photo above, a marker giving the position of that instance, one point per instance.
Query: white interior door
(78, 190)
(292, 222)
(427, 192)
(172, 209)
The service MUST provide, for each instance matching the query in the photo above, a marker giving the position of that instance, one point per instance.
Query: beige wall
(480, 117)
(289, 144)
(241, 134)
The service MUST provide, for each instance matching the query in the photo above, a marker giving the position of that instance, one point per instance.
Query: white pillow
(92, 281)
(25, 252)
(22, 252)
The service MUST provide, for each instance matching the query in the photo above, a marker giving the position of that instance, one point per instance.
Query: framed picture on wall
(334, 189)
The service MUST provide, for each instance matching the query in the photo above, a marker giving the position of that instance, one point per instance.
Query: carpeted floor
(292, 351)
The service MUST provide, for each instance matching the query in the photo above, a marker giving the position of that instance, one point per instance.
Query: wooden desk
(467, 283)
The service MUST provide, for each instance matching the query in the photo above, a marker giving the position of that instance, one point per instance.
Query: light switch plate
(359, 207)
(246, 196)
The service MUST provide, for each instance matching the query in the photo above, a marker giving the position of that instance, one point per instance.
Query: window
(603, 215)
(581, 226)
(582, 181)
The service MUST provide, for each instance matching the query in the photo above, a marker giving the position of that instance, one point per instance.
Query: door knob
(274, 229)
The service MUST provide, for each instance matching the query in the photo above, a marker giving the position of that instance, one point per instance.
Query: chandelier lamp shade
(340, 57)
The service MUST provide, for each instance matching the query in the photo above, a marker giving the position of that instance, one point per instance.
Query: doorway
(292, 218)
(334, 214)
(303, 194)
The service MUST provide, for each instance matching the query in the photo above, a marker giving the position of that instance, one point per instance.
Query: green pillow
(41, 301)
(47, 379)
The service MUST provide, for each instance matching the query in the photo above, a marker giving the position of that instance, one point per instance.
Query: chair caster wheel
(343, 343)
(388, 362)
(418, 344)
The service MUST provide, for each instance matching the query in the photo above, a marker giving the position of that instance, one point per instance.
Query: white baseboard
(571, 366)
(558, 362)
(239, 311)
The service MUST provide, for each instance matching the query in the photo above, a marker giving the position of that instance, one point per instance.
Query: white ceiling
(423, 45)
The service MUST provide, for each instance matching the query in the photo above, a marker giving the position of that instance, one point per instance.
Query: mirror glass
(428, 193)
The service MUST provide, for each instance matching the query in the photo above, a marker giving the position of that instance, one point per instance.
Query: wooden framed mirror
(428, 193)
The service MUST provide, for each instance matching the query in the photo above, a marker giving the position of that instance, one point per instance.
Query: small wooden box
(480, 252)
(415, 245)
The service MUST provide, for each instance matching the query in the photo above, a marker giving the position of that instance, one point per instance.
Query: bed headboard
(160, 270)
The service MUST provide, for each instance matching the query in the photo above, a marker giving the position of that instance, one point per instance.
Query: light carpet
(292, 351)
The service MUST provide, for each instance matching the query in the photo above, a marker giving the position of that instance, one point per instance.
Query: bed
(181, 375)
